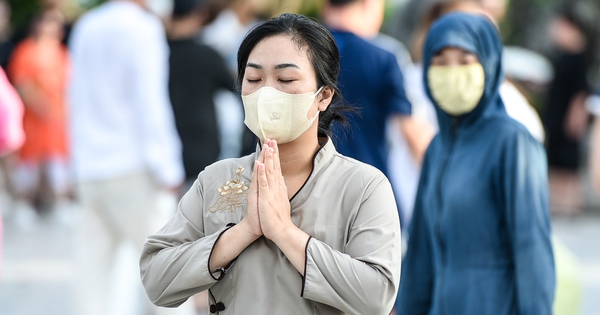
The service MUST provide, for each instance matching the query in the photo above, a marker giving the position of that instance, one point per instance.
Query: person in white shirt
(225, 34)
(125, 147)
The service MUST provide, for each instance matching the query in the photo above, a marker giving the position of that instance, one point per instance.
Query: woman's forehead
(277, 50)
(454, 50)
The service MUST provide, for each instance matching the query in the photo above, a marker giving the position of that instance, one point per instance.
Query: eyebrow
(277, 67)
(253, 65)
(286, 65)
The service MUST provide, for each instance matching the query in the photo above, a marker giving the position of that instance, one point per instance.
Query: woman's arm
(174, 261)
(528, 223)
(235, 240)
(594, 157)
(168, 273)
(363, 279)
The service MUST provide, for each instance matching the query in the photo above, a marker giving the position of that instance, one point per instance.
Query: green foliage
(22, 12)
(88, 4)
(311, 8)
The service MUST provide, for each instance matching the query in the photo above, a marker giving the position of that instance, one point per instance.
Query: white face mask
(277, 115)
(456, 89)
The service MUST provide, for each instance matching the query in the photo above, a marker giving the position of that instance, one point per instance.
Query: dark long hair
(322, 52)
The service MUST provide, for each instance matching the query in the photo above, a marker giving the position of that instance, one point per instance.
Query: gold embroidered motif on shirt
(232, 195)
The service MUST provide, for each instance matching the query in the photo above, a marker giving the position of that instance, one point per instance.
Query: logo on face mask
(274, 116)
(277, 115)
(456, 89)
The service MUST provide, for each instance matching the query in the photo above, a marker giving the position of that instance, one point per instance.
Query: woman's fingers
(263, 182)
(260, 160)
(272, 163)
(276, 161)
(261, 155)
(254, 182)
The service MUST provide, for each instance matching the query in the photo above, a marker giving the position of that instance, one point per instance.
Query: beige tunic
(352, 259)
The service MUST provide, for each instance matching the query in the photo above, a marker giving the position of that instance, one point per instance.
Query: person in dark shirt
(197, 72)
(564, 116)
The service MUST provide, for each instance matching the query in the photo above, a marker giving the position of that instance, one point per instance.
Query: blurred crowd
(124, 104)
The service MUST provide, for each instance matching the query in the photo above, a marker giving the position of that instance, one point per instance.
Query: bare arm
(418, 134)
(576, 121)
(595, 153)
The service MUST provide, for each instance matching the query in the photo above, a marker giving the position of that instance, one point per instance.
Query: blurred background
(549, 45)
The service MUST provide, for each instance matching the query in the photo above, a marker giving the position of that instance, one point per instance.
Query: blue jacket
(479, 241)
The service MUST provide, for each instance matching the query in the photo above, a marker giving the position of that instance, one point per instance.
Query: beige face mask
(457, 89)
(277, 115)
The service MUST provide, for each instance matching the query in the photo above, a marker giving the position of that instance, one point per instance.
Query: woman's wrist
(289, 235)
(292, 242)
(247, 233)
(229, 245)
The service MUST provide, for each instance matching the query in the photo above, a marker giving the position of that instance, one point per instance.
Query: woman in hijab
(480, 237)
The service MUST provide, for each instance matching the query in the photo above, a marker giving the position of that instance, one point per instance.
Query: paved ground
(581, 236)
(37, 271)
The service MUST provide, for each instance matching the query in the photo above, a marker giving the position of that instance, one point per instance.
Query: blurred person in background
(197, 72)
(403, 165)
(225, 34)
(480, 236)
(592, 104)
(373, 85)
(565, 116)
(12, 109)
(64, 7)
(39, 69)
(12, 135)
(125, 148)
(516, 104)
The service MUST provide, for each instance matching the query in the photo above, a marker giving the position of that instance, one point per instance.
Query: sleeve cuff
(220, 271)
(305, 265)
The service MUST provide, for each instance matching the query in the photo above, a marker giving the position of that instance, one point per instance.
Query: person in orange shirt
(39, 70)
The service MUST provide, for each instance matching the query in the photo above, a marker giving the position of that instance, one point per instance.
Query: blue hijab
(476, 34)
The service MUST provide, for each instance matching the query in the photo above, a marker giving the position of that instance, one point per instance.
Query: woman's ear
(325, 97)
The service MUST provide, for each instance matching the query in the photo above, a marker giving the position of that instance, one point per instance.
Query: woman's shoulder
(231, 166)
(513, 138)
(347, 168)
(507, 128)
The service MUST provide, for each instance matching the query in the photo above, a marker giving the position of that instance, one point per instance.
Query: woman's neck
(297, 157)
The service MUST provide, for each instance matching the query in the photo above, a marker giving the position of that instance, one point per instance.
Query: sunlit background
(36, 270)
